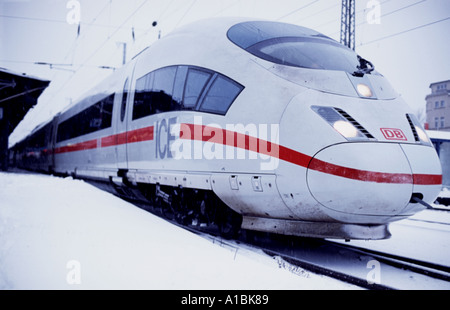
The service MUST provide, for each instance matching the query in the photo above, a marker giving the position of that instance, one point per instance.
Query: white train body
(295, 150)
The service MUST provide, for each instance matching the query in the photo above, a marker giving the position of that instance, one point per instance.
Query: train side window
(162, 91)
(142, 97)
(221, 95)
(94, 118)
(97, 117)
(178, 88)
(106, 111)
(195, 83)
(182, 87)
(123, 106)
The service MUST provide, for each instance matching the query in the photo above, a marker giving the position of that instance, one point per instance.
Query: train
(248, 125)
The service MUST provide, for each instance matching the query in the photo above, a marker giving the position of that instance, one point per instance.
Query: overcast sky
(408, 41)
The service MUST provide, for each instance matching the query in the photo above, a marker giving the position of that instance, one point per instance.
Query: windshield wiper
(365, 67)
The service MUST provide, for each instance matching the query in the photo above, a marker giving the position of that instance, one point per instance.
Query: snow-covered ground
(66, 234)
(424, 236)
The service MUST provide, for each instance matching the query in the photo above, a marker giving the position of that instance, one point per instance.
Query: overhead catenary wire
(386, 14)
(321, 11)
(297, 10)
(57, 21)
(403, 8)
(185, 13)
(115, 31)
(336, 20)
(84, 64)
(405, 31)
(71, 50)
(227, 8)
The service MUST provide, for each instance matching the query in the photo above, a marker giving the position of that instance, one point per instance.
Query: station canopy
(18, 94)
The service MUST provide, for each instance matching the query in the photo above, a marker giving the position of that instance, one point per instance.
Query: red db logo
(393, 134)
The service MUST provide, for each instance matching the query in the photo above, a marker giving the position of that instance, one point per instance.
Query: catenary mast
(348, 23)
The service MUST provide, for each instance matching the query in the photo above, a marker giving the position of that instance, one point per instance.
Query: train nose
(368, 182)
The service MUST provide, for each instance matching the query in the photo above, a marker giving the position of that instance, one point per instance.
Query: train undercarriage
(198, 208)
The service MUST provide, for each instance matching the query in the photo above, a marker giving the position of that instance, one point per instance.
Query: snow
(445, 193)
(424, 236)
(66, 234)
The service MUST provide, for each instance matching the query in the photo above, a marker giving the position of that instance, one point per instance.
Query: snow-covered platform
(66, 234)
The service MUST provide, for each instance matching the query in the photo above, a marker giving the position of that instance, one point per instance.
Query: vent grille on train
(413, 128)
(363, 130)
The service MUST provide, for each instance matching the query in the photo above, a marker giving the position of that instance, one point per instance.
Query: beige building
(438, 106)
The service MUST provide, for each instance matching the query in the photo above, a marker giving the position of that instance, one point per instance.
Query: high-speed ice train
(249, 124)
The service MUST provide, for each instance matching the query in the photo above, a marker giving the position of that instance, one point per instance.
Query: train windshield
(295, 46)
(307, 53)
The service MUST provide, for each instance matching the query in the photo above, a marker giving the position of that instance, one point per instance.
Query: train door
(121, 128)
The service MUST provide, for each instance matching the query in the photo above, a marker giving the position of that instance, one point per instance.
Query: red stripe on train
(243, 141)
(361, 175)
(82, 146)
(238, 140)
(133, 136)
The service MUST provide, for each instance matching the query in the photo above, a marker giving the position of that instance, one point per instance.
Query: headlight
(419, 133)
(343, 123)
(346, 129)
(364, 90)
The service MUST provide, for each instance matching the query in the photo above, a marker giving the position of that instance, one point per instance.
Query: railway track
(365, 268)
(361, 267)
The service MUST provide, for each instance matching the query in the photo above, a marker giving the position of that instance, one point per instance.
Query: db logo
(393, 134)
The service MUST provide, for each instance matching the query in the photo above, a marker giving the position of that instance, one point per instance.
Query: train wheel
(179, 206)
(228, 221)
(167, 211)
